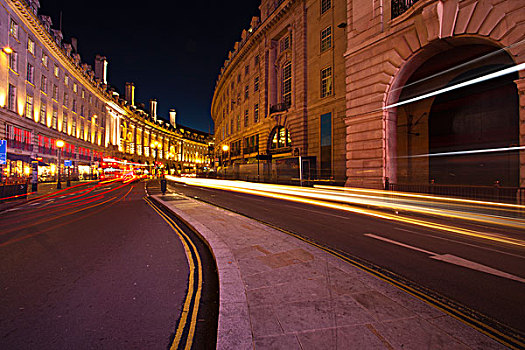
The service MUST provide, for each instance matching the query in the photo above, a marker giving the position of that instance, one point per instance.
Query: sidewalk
(278, 292)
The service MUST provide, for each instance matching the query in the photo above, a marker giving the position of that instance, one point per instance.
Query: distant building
(48, 94)
(399, 50)
(281, 92)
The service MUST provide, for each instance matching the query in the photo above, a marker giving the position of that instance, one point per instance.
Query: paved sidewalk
(278, 292)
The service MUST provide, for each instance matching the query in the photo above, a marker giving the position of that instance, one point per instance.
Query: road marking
(452, 259)
(459, 242)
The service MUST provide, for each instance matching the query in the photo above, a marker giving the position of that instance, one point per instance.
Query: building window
(75, 88)
(11, 101)
(45, 60)
(256, 60)
(74, 108)
(66, 99)
(326, 82)
(256, 113)
(239, 78)
(246, 92)
(231, 126)
(285, 43)
(246, 118)
(256, 84)
(43, 85)
(66, 80)
(13, 29)
(13, 61)
(325, 5)
(31, 46)
(82, 110)
(326, 145)
(83, 94)
(280, 138)
(326, 39)
(287, 84)
(55, 92)
(54, 121)
(43, 113)
(30, 73)
(64, 123)
(238, 123)
(29, 106)
(56, 70)
(247, 70)
(74, 126)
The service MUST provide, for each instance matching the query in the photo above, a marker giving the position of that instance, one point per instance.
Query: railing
(20, 145)
(280, 107)
(494, 193)
(400, 6)
(10, 190)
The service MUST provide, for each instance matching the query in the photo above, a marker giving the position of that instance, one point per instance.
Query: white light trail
(458, 86)
(474, 151)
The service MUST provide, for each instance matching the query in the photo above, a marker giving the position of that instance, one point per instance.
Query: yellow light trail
(311, 196)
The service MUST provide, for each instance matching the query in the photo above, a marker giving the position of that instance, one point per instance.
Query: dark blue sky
(172, 50)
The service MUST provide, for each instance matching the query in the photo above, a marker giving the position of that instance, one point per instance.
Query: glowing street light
(59, 144)
(156, 145)
(8, 50)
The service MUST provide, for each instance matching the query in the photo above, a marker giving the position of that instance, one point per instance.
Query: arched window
(280, 138)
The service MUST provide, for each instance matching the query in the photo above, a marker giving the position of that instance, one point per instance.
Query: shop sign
(68, 163)
(3, 151)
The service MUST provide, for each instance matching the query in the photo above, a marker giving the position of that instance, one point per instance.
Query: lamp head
(225, 148)
(60, 143)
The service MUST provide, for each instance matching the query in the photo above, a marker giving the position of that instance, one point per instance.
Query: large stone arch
(377, 72)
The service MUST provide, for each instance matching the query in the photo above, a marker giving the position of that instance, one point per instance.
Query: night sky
(172, 50)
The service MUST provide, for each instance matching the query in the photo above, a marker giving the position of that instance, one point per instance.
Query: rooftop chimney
(130, 93)
(153, 108)
(74, 43)
(173, 116)
(101, 69)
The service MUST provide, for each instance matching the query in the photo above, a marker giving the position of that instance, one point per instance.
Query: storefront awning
(22, 157)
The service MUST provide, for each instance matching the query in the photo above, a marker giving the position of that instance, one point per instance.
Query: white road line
(462, 243)
(452, 259)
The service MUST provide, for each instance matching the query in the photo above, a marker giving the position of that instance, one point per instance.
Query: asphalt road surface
(94, 267)
(409, 251)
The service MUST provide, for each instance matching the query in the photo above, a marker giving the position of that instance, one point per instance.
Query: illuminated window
(13, 61)
(45, 60)
(56, 70)
(75, 87)
(325, 5)
(13, 29)
(11, 101)
(246, 118)
(83, 93)
(246, 92)
(66, 80)
(29, 106)
(64, 123)
(287, 84)
(43, 113)
(256, 84)
(30, 73)
(326, 82)
(326, 39)
(54, 120)
(280, 138)
(31, 46)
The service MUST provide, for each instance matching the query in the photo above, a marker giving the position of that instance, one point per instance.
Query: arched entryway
(446, 138)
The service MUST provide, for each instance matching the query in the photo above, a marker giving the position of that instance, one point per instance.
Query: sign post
(3, 157)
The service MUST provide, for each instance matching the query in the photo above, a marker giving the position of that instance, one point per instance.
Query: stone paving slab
(279, 292)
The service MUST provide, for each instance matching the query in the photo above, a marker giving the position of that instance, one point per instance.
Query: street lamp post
(156, 145)
(59, 144)
(225, 148)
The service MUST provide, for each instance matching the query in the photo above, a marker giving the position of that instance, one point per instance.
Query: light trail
(341, 201)
(460, 85)
(474, 151)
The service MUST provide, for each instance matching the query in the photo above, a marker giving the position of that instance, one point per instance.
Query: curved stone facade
(383, 55)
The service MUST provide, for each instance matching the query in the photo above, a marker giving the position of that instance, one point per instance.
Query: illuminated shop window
(280, 138)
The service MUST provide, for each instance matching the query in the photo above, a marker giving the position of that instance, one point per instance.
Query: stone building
(398, 51)
(281, 92)
(47, 94)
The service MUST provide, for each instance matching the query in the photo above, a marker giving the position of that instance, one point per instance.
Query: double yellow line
(188, 318)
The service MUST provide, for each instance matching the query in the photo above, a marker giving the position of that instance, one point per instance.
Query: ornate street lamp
(156, 145)
(59, 144)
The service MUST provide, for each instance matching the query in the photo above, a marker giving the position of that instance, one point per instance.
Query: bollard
(163, 185)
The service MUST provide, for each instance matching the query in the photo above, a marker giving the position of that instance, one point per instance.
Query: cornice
(33, 24)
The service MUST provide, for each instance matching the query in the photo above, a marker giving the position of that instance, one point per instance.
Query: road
(92, 267)
(484, 275)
